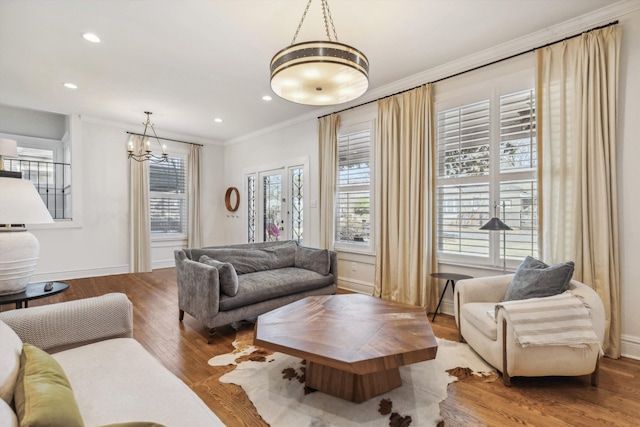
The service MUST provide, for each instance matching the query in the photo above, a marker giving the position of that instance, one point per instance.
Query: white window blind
(353, 197)
(168, 196)
(486, 153)
(463, 171)
(518, 176)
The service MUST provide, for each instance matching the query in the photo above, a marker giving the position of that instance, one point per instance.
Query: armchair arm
(480, 289)
(57, 327)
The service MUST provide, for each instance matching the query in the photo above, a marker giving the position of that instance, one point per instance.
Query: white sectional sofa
(113, 378)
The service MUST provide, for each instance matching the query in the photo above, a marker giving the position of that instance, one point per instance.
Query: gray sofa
(225, 284)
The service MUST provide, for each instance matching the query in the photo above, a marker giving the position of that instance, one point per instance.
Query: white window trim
(489, 83)
(159, 240)
(350, 122)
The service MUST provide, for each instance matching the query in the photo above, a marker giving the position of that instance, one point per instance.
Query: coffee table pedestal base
(349, 386)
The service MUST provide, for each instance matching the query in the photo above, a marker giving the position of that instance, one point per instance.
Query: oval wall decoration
(232, 199)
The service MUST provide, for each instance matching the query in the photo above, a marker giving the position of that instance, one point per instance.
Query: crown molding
(549, 35)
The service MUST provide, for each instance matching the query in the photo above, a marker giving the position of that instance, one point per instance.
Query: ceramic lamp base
(19, 251)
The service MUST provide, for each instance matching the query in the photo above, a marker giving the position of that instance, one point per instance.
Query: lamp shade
(495, 224)
(319, 73)
(20, 203)
(8, 148)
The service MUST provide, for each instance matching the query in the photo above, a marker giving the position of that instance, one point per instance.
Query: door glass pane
(297, 182)
(272, 207)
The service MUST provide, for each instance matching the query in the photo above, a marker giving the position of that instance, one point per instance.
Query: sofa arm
(57, 327)
(480, 289)
(198, 288)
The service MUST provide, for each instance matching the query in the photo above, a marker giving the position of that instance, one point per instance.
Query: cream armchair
(494, 340)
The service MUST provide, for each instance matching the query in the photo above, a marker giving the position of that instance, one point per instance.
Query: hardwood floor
(183, 349)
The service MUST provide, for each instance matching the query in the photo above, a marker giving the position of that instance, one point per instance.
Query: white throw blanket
(556, 320)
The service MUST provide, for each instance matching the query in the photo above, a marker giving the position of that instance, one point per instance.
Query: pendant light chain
(325, 12)
(304, 15)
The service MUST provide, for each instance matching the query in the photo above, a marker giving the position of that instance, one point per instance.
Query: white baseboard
(354, 285)
(631, 347)
(168, 263)
(78, 274)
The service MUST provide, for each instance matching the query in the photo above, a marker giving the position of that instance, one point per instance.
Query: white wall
(283, 147)
(97, 241)
(356, 271)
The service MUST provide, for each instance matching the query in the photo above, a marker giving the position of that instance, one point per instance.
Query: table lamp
(20, 204)
(495, 224)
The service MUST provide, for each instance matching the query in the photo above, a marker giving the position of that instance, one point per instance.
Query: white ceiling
(189, 61)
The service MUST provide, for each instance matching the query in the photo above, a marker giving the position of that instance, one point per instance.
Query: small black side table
(449, 277)
(33, 291)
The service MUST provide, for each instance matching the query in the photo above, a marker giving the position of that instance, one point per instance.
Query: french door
(275, 208)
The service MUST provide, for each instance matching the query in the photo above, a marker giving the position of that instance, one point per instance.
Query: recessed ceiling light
(217, 120)
(266, 98)
(70, 85)
(90, 37)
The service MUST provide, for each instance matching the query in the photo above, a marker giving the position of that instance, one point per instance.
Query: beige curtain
(328, 146)
(194, 228)
(577, 98)
(140, 225)
(405, 252)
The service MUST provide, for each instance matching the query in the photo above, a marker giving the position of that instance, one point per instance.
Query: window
(487, 156)
(168, 197)
(38, 160)
(251, 208)
(353, 200)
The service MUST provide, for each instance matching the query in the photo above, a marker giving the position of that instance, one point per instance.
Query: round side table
(449, 277)
(33, 291)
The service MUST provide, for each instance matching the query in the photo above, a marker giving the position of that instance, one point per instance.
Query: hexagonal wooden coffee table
(353, 344)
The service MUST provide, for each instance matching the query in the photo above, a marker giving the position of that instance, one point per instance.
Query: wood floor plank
(182, 347)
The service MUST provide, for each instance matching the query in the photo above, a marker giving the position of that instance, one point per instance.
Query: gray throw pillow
(313, 259)
(226, 274)
(535, 279)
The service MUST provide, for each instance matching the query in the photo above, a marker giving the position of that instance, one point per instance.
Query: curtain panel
(578, 97)
(405, 233)
(140, 224)
(328, 147)
(194, 227)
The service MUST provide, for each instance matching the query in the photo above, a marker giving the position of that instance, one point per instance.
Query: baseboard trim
(79, 274)
(354, 285)
(630, 347)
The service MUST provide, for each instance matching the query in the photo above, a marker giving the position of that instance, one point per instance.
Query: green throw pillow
(43, 395)
(136, 424)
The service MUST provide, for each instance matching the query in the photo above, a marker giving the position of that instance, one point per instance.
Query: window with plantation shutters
(486, 156)
(168, 196)
(353, 186)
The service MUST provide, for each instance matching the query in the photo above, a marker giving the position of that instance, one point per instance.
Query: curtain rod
(166, 139)
(476, 68)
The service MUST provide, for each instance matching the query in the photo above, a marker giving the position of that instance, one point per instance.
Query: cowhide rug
(274, 383)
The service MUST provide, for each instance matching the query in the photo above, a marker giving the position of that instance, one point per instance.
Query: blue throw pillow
(535, 279)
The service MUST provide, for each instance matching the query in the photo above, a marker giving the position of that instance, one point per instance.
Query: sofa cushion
(7, 416)
(10, 349)
(43, 395)
(133, 385)
(265, 285)
(251, 260)
(226, 274)
(317, 260)
(476, 313)
(535, 279)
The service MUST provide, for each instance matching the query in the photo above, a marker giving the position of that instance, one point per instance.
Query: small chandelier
(319, 72)
(147, 155)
